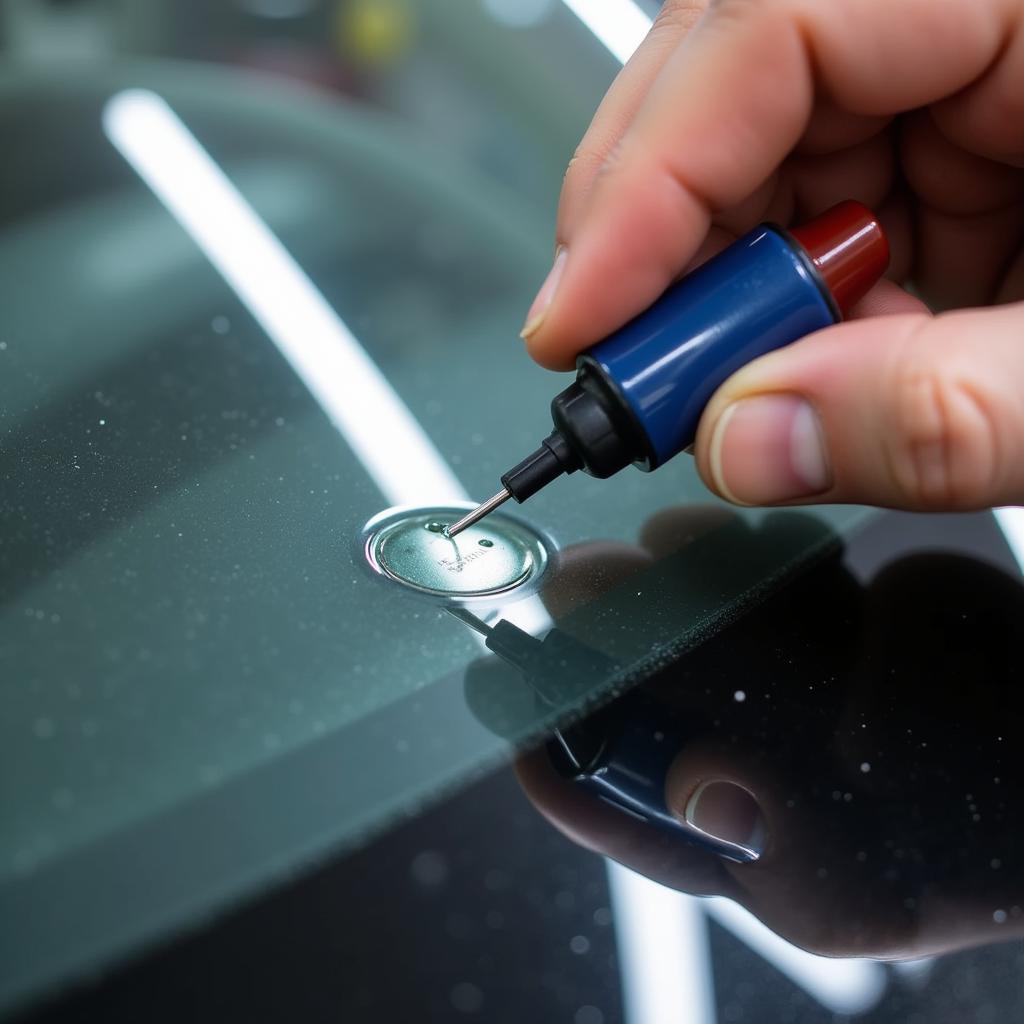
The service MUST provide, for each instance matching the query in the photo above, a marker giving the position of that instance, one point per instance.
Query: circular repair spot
(491, 557)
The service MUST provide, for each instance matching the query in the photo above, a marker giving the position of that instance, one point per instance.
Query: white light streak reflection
(619, 24)
(387, 439)
(664, 960)
(1011, 521)
(844, 986)
(322, 351)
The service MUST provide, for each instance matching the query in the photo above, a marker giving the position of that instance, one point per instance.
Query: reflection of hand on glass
(860, 745)
(912, 107)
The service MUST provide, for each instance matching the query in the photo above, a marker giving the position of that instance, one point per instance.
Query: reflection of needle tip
(470, 620)
(478, 513)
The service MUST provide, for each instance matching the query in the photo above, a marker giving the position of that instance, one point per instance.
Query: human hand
(775, 110)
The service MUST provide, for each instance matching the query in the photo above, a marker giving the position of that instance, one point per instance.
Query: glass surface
(239, 315)
(478, 906)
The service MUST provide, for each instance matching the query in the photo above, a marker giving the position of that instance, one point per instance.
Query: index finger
(625, 95)
(721, 116)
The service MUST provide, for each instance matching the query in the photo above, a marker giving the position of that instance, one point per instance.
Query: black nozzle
(588, 435)
(586, 417)
(547, 463)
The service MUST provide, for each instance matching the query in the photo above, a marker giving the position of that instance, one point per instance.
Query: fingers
(746, 802)
(962, 261)
(710, 133)
(601, 828)
(886, 299)
(1012, 288)
(715, 799)
(947, 177)
(598, 146)
(986, 118)
(904, 411)
(969, 216)
(619, 105)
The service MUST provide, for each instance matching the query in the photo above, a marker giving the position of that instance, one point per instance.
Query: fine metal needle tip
(470, 620)
(478, 513)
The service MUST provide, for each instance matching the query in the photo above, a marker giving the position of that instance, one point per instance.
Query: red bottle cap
(849, 248)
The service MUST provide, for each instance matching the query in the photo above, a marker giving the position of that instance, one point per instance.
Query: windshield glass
(244, 309)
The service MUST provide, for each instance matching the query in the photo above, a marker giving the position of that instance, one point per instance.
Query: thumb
(908, 411)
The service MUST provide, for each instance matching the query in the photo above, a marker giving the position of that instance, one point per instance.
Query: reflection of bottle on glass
(702, 575)
(620, 753)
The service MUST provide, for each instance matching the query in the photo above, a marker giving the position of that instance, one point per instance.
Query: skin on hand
(749, 110)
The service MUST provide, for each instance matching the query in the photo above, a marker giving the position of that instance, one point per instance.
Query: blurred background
(505, 86)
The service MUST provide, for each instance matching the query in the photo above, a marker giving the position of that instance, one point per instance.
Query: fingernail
(728, 813)
(768, 449)
(547, 292)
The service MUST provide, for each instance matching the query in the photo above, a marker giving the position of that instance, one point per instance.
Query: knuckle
(613, 157)
(575, 167)
(739, 8)
(600, 149)
(676, 16)
(944, 437)
(591, 165)
(582, 169)
(595, 149)
(731, 15)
